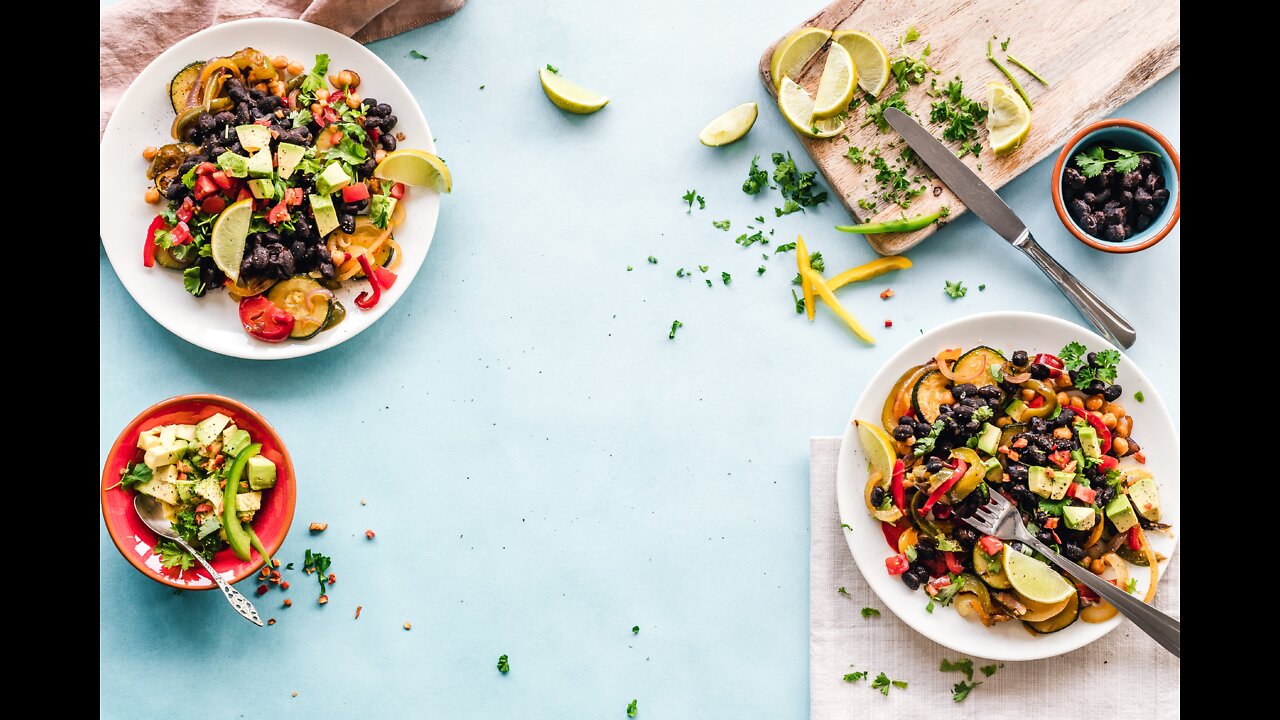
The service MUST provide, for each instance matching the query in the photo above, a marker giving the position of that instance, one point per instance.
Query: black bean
(327, 270)
(1017, 472)
(1090, 198)
(907, 420)
(1116, 216)
(260, 258)
(1105, 178)
(902, 432)
(1033, 456)
(1110, 204)
(1152, 182)
(368, 103)
(1040, 371)
(1143, 222)
(347, 222)
(972, 427)
(269, 103)
(1103, 196)
(966, 535)
(1112, 393)
(1079, 208)
(1072, 552)
(1159, 196)
(175, 190)
(923, 429)
(1045, 536)
(1040, 517)
(1144, 162)
(1073, 178)
(989, 392)
(1126, 198)
(1044, 442)
(372, 122)
(1141, 195)
(381, 110)
(877, 495)
(1130, 180)
(366, 169)
(1116, 233)
(910, 580)
(934, 465)
(388, 142)
(1090, 224)
(390, 122)
(1019, 358)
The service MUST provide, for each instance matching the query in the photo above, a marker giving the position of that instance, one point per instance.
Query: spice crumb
(318, 527)
(408, 626)
(288, 602)
(271, 621)
(358, 609)
(323, 599)
(294, 693)
(363, 501)
(888, 293)
(368, 534)
(888, 323)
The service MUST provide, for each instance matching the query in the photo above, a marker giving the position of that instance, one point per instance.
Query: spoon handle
(238, 601)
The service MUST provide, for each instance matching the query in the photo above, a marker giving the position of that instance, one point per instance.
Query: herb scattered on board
(554, 70)
(761, 270)
(869, 612)
(907, 71)
(635, 629)
(911, 36)
(989, 670)
(692, 196)
(721, 224)
(1094, 160)
(882, 683)
(1004, 44)
(842, 591)
(960, 115)
(653, 260)
(965, 666)
(956, 289)
(419, 56)
(799, 189)
(1103, 366)
(1022, 65)
(504, 666)
(675, 325)
(726, 278)
(785, 247)
(757, 179)
(746, 240)
(855, 676)
(1138, 396)
(319, 564)
(631, 708)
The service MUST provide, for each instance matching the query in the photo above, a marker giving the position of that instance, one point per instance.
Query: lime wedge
(793, 51)
(1008, 118)
(570, 96)
(835, 89)
(797, 108)
(417, 168)
(869, 57)
(878, 447)
(1035, 580)
(229, 233)
(730, 126)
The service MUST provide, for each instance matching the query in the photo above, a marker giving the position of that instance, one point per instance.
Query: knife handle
(1109, 323)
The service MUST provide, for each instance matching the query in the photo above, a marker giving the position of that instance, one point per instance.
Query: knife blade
(986, 204)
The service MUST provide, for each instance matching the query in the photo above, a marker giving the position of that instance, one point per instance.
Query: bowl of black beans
(1115, 186)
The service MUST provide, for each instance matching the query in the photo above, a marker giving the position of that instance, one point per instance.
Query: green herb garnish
(956, 289)
(1092, 161)
(675, 325)
(417, 55)
(869, 612)
(631, 708)
(504, 666)
(720, 224)
(961, 690)
(855, 676)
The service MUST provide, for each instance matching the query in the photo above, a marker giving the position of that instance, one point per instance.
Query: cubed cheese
(248, 502)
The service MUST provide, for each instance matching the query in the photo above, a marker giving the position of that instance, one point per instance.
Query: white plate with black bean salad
(246, 198)
(1054, 418)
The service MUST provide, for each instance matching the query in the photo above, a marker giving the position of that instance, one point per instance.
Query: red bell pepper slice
(959, 467)
(1036, 401)
(186, 210)
(892, 532)
(262, 121)
(953, 565)
(206, 168)
(1135, 538)
(1060, 458)
(368, 300)
(896, 486)
(942, 511)
(991, 545)
(1107, 464)
(204, 187)
(213, 205)
(355, 193)
(897, 564)
(1086, 594)
(386, 278)
(279, 213)
(1104, 435)
(180, 233)
(293, 196)
(374, 135)
(149, 248)
(398, 190)
(1082, 493)
(1053, 362)
(263, 320)
(223, 180)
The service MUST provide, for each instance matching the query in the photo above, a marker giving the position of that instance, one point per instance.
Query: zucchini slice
(992, 576)
(166, 258)
(181, 85)
(337, 315)
(978, 361)
(306, 300)
(931, 392)
(1063, 619)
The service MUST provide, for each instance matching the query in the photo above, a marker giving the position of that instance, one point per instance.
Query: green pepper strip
(257, 545)
(191, 114)
(978, 588)
(891, 226)
(1016, 85)
(237, 538)
(1050, 400)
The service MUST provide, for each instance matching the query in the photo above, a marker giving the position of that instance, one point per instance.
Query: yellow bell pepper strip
(892, 226)
(237, 538)
(873, 269)
(802, 262)
(820, 286)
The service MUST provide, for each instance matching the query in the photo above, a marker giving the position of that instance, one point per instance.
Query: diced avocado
(248, 502)
(160, 490)
(186, 489)
(288, 156)
(185, 432)
(236, 166)
(235, 441)
(1015, 410)
(262, 473)
(1048, 483)
(332, 179)
(168, 434)
(1079, 518)
(259, 164)
(164, 454)
(210, 526)
(253, 137)
(165, 473)
(381, 206)
(992, 470)
(148, 439)
(208, 429)
(1121, 513)
(262, 188)
(989, 438)
(1089, 442)
(326, 216)
(1146, 499)
(209, 490)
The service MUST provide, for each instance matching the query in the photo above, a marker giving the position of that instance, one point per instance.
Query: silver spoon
(152, 513)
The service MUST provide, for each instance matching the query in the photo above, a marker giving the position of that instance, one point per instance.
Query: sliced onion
(944, 367)
(1152, 563)
(1101, 612)
(968, 604)
(1120, 566)
(1018, 379)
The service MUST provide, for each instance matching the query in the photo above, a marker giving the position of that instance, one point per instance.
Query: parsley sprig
(1075, 356)
(320, 565)
(757, 179)
(956, 289)
(1094, 160)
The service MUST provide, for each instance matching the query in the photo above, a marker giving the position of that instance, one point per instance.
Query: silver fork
(1000, 518)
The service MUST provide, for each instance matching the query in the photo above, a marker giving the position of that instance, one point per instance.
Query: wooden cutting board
(1096, 56)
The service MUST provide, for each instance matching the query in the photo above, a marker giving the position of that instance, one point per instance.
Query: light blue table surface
(544, 468)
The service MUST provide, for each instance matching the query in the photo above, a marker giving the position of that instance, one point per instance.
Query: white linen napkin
(1124, 675)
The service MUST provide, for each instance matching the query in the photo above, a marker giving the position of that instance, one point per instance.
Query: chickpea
(322, 95)
(379, 155)
(1062, 433)
(294, 68)
(152, 196)
(1077, 403)
(1098, 566)
(1027, 395)
(1120, 446)
(149, 153)
(338, 257)
(1124, 426)
(277, 87)
(345, 78)
(316, 110)
(333, 80)
(1116, 409)
(353, 99)
(1093, 403)
(1064, 399)
(1003, 420)
(280, 62)
(1109, 420)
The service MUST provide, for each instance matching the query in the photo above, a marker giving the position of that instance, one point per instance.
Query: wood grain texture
(1096, 55)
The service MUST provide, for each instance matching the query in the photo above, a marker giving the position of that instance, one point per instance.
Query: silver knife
(986, 204)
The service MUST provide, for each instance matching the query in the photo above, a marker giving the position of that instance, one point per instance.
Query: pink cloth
(129, 30)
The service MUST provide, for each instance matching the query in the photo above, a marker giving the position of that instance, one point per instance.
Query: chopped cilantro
(631, 708)
(961, 690)
(856, 676)
(882, 683)
(556, 71)
(681, 273)
(653, 260)
(173, 556)
(315, 80)
(725, 278)
(629, 268)
(721, 224)
(504, 665)
(417, 55)
(982, 287)
(760, 218)
(868, 612)
(760, 270)
(635, 629)
(799, 302)
(757, 179)
(1054, 507)
(842, 591)
(1131, 585)
(956, 289)
(988, 670)
(320, 564)
(675, 325)
(785, 247)
(1138, 396)
(856, 156)
(134, 474)
(965, 666)
(926, 443)
(704, 268)
(798, 188)
(191, 281)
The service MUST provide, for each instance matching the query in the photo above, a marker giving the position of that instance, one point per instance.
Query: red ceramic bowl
(136, 541)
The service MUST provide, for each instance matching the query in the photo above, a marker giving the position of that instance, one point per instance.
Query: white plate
(1005, 331)
(143, 118)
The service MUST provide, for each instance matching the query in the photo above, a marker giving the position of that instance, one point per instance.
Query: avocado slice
(259, 164)
(1146, 499)
(208, 429)
(1121, 513)
(160, 490)
(262, 188)
(236, 166)
(989, 438)
(253, 137)
(332, 179)
(164, 454)
(1089, 442)
(233, 441)
(326, 215)
(288, 156)
(1079, 518)
(1015, 410)
(262, 473)
(1049, 483)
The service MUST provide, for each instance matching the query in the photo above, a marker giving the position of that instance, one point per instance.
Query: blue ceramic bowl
(1131, 135)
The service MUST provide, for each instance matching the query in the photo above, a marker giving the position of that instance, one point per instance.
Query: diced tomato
(892, 531)
(223, 180)
(1135, 537)
(398, 190)
(386, 278)
(244, 194)
(888, 323)
(213, 205)
(953, 565)
(279, 213)
(991, 545)
(186, 210)
(1107, 464)
(205, 186)
(1060, 458)
(937, 584)
(293, 196)
(180, 233)
(262, 121)
(1052, 524)
(149, 247)
(1083, 493)
(897, 564)
(205, 168)
(355, 193)
(262, 319)
(374, 135)
(1036, 401)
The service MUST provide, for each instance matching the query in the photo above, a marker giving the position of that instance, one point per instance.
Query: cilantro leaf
(760, 270)
(675, 325)
(856, 676)
(631, 708)
(956, 289)
(721, 224)
(725, 278)
(926, 443)
(842, 591)
(988, 670)
(882, 683)
(797, 187)
(653, 260)
(1072, 355)
(1054, 507)
(191, 281)
(173, 556)
(1139, 397)
(135, 474)
(799, 302)
(689, 197)
(965, 666)
(554, 70)
(315, 80)
(961, 690)
(504, 665)
(635, 630)
(785, 247)
(1128, 162)
(417, 55)
(320, 565)
(757, 179)
(868, 612)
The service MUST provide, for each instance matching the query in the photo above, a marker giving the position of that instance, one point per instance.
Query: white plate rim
(870, 550)
(118, 234)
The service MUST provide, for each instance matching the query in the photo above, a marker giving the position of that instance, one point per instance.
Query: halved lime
(869, 57)
(730, 126)
(418, 168)
(570, 96)
(229, 233)
(1035, 580)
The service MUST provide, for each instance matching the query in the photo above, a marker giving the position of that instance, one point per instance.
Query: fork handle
(1162, 628)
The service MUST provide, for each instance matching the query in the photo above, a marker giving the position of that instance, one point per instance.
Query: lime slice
(730, 126)
(797, 108)
(835, 89)
(869, 57)
(793, 51)
(1008, 118)
(570, 96)
(229, 232)
(417, 168)
(878, 447)
(1035, 580)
